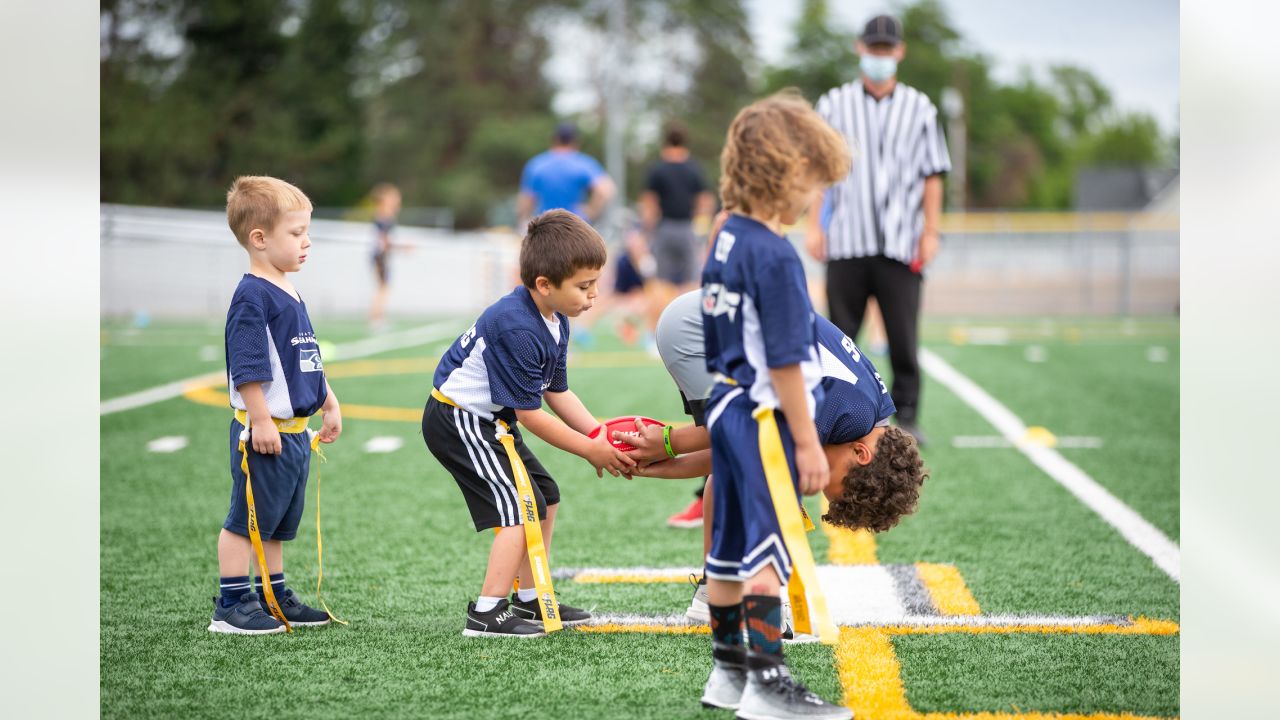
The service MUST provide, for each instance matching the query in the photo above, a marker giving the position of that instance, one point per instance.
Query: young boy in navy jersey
(496, 377)
(276, 380)
(761, 344)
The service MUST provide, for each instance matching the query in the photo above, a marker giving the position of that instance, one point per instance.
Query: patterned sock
(764, 626)
(232, 588)
(726, 625)
(277, 586)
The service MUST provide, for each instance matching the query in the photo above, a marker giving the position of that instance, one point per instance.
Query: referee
(879, 226)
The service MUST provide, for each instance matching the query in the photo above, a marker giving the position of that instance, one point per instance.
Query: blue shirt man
(563, 178)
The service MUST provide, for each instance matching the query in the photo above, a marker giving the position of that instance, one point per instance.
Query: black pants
(849, 283)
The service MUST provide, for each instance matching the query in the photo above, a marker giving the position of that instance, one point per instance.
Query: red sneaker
(690, 517)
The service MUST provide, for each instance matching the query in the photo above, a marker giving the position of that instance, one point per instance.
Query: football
(626, 423)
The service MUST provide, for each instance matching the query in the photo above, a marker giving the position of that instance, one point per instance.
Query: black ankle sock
(763, 614)
(726, 625)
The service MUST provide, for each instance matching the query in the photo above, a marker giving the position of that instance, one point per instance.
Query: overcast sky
(1131, 45)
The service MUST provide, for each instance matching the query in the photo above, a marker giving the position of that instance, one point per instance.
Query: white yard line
(347, 351)
(1132, 526)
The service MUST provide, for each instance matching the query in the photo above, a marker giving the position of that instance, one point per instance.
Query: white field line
(1132, 526)
(347, 351)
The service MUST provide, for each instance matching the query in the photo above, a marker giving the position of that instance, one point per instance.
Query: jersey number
(467, 337)
(851, 348)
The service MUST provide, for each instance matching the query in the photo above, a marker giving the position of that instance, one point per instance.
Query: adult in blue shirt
(564, 178)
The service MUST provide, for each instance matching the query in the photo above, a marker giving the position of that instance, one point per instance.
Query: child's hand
(331, 427)
(811, 464)
(265, 438)
(647, 441)
(604, 456)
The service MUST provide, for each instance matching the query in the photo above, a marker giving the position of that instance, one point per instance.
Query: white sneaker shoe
(772, 694)
(724, 688)
(699, 609)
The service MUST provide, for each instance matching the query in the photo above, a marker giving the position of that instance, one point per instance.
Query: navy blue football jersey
(854, 399)
(756, 312)
(507, 360)
(269, 339)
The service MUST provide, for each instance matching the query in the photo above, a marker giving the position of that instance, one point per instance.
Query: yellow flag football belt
(532, 525)
(293, 426)
(808, 604)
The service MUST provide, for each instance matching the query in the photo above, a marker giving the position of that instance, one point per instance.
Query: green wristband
(666, 440)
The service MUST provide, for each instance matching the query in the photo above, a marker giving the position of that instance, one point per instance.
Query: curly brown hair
(878, 494)
(771, 146)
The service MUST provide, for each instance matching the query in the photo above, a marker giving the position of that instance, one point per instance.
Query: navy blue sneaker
(299, 613)
(246, 617)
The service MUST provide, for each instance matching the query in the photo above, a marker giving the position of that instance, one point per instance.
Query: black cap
(882, 29)
(566, 132)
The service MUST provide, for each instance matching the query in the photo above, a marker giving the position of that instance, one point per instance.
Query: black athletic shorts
(467, 445)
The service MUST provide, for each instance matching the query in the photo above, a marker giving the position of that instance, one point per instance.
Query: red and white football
(626, 424)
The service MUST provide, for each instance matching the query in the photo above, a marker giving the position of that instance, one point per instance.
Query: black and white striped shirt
(897, 143)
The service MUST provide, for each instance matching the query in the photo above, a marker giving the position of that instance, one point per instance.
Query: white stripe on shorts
(507, 484)
(477, 463)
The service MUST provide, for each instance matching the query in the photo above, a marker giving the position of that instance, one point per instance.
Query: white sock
(485, 604)
(527, 594)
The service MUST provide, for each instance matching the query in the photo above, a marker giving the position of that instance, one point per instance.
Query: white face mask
(878, 67)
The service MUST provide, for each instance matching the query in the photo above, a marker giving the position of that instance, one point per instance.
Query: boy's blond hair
(771, 145)
(258, 201)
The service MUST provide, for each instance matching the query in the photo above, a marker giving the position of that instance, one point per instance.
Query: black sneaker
(501, 621)
(300, 614)
(772, 694)
(532, 611)
(246, 617)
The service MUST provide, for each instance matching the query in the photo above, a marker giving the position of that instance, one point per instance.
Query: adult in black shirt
(674, 193)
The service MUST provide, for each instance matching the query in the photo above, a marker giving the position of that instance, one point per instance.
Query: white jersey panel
(468, 385)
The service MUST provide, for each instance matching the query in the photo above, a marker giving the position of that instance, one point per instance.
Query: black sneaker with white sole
(299, 613)
(532, 611)
(247, 617)
(501, 621)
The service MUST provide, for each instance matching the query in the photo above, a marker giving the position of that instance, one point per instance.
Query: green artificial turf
(401, 558)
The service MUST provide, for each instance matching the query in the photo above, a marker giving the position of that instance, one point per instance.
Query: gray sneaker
(728, 677)
(246, 617)
(772, 694)
(699, 607)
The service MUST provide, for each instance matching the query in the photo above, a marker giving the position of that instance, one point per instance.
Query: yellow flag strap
(291, 426)
(808, 604)
(315, 447)
(532, 533)
(255, 536)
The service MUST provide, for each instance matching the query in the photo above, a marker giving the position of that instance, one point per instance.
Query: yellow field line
(1138, 626)
(655, 628)
(872, 677)
(848, 547)
(947, 589)
(590, 577)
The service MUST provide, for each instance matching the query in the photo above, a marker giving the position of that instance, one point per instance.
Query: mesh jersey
(756, 312)
(269, 339)
(506, 360)
(855, 399)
